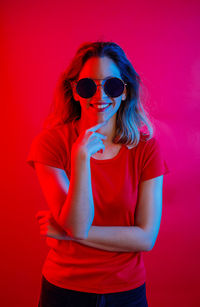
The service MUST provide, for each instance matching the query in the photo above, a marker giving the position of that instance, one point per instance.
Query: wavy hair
(131, 118)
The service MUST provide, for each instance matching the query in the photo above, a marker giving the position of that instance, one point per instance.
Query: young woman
(102, 179)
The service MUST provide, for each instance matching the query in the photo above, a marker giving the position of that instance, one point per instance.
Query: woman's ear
(124, 95)
(75, 95)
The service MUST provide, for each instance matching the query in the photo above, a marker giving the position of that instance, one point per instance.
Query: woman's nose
(100, 94)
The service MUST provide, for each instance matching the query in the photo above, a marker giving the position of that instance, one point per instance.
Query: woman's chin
(98, 119)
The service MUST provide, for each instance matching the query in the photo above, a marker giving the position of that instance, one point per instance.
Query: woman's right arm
(77, 213)
(71, 203)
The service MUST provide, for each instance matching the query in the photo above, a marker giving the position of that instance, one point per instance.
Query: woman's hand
(89, 142)
(49, 227)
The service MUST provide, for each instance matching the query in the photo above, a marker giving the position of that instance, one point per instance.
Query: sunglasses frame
(102, 85)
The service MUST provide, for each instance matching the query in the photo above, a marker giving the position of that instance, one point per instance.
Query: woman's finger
(98, 135)
(98, 126)
(43, 220)
(43, 233)
(43, 228)
(42, 213)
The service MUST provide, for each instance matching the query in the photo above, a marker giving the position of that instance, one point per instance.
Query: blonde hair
(131, 119)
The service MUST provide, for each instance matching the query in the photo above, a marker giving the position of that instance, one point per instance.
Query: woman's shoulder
(144, 141)
(145, 146)
(149, 146)
(58, 135)
(63, 130)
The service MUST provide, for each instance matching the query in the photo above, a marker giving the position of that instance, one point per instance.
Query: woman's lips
(100, 109)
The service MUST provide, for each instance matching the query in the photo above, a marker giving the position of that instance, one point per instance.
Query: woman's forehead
(99, 68)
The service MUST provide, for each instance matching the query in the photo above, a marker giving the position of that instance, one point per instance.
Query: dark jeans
(53, 296)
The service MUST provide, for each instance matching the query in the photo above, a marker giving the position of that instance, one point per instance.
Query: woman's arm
(77, 213)
(117, 238)
(71, 203)
(143, 235)
(140, 237)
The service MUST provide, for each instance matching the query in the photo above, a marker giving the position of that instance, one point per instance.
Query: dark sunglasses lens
(114, 87)
(86, 88)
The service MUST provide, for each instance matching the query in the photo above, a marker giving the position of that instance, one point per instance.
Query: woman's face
(99, 68)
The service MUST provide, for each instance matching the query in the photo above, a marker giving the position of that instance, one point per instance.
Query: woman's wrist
(79, 159)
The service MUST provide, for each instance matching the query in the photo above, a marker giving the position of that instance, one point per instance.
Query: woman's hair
(131, 117)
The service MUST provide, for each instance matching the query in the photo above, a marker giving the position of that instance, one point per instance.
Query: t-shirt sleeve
(47, 148)
(153, 161)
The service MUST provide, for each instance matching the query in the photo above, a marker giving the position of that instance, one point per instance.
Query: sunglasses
(113, 87)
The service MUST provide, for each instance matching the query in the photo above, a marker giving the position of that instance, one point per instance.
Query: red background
(162, 41)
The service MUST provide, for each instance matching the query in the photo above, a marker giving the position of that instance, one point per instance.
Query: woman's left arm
(117, 238)
(140, 237)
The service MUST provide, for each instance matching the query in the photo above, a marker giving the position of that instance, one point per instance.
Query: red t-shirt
(75, 266)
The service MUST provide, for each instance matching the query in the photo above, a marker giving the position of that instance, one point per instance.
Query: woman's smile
(101, 107)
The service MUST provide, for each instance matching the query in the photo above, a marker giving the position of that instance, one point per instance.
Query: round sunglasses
(113, 87)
